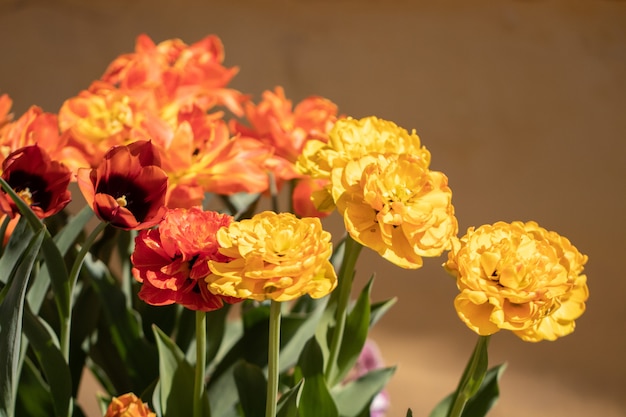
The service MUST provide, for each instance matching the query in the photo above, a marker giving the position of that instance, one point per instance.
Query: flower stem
(351, 253)
(273, 191)
(473, 376)
(272, 359)
(66, 322)
(198, 387)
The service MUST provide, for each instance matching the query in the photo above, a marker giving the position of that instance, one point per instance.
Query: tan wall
(522, 104)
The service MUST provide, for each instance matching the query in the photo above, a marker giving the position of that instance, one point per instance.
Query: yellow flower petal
(530, 276)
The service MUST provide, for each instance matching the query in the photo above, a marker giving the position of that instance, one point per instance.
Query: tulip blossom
(177, 74)
(377, 176)
(128, 405)
(350, 140)
(395, 206)
(518, 277)
(274, 257)
(284, 130)
(38, 127)
(203, 157)
(39, 181)
(5, 110)
(274, 122)
(301, 197)
(100, 118)
(128, 188)
(171, 261)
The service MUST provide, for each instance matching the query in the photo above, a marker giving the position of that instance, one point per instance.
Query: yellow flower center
(26, 195)
(122, 201)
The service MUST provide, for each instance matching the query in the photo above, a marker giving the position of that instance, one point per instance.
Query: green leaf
(487, 396)
(379, 309)
(241, 205)
(86, 313)
(484, 399)
(216, 328)
(469, 383)
(315, 399)
(52, 256)
(296, 330)
(64, 240)
(288, 403)
(355, 333)
(222, 392)
(46, 347)
(251, 387)
(15, 248)
(409, 413)
(176, 378)
(139, 357)
(356, 396)
(11, 313)
(33, 394)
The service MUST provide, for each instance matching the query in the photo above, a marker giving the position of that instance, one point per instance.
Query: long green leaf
(33, 394)
(176, 378)
(357, 327)
(379, 309)
(46, 348)
(315, 399)
(484, 399)
(52, 256)
(355, 396)
(11, 313)
(251, 387)
(17, 244)
(288, 403)
(139, 358)
(470, 381)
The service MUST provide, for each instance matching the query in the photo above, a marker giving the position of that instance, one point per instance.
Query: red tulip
(38, 180)
(128, 188)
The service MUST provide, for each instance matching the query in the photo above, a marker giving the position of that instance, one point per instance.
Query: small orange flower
(177, 73)
(100, 118)
(5, 108)
(128, 405)
(172, 261)
(128, 188)
(203, 157)
(286, 129)
(302, 197)
(39, 181)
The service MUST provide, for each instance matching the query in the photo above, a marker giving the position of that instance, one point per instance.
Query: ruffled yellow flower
(518, 277)
(128, 405)
(350, 140)
(379, 180)
(394, 205)
(275, 257)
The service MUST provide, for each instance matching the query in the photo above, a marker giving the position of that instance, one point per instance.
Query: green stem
(273, 191)
(198, 387)
(66, 324)
(127, 244)
(351, 253)
(272, 359)
(473, 376)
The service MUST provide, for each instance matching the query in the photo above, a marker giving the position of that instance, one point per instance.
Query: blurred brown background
(522, 104)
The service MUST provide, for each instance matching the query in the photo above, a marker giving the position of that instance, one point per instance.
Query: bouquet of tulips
(198, 280)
